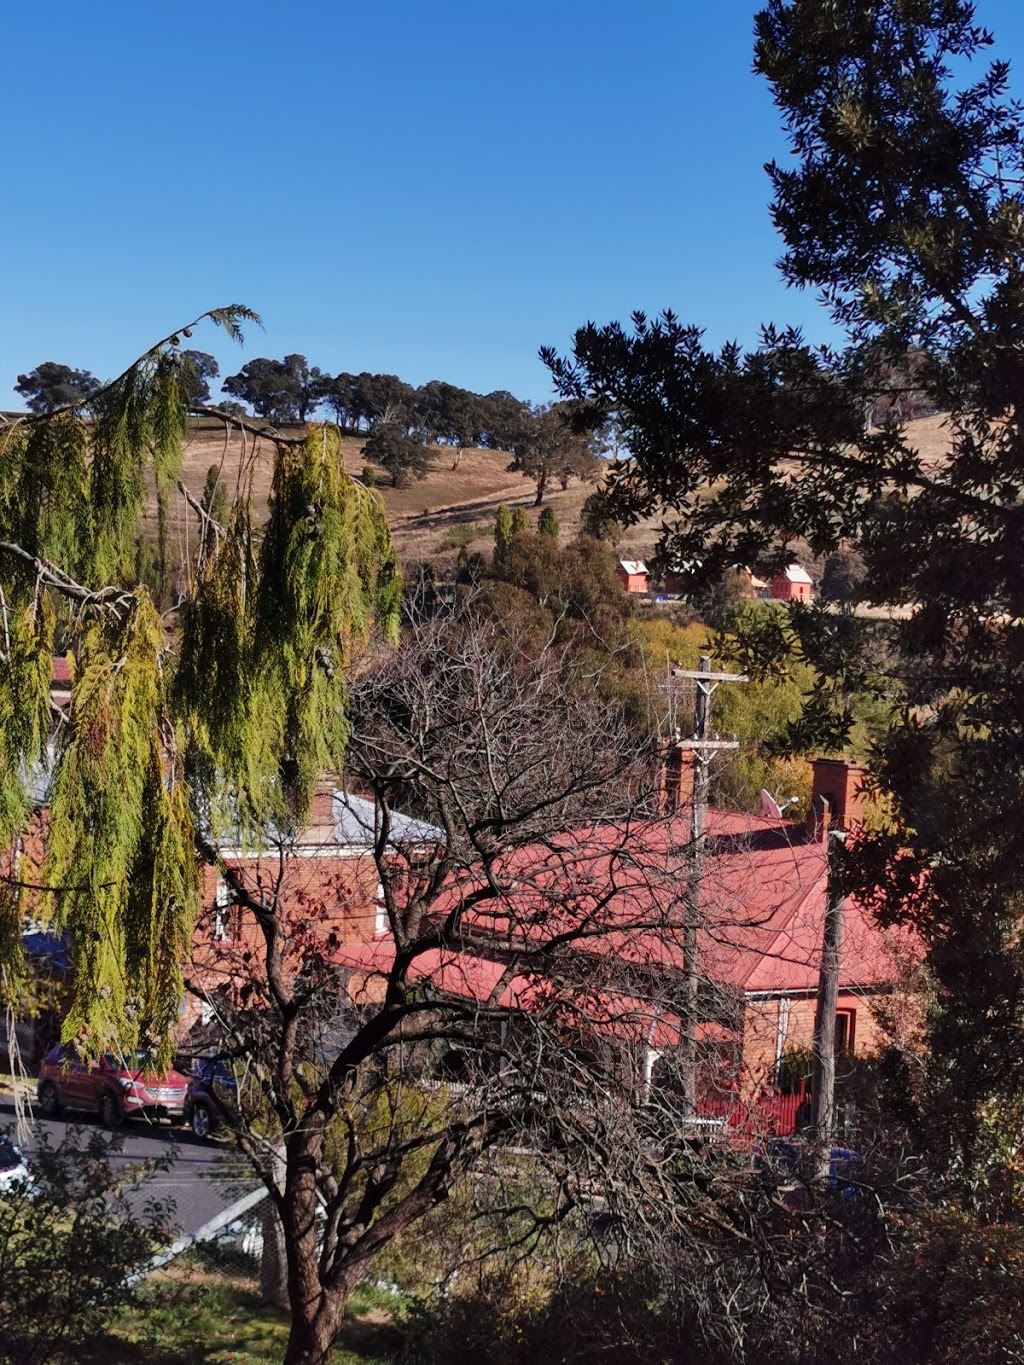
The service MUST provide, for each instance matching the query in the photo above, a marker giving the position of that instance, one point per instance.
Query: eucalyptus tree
(287, 390)
(204, 369)
(550, 446)
(222, 709)
(903, 206)
(52, 385)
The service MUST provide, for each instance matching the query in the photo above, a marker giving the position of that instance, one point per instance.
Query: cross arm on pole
(699, 676)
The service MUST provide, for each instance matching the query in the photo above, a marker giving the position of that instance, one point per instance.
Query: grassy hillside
(430, 518)
(451, 507)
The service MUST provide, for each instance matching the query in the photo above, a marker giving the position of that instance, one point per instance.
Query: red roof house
(604, 906)
(633, 575)
(793, 584)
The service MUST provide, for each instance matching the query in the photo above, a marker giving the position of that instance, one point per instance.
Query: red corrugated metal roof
(620, 891)
(465, 975)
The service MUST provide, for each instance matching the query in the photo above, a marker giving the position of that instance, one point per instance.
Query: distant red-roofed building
(793, 584)
(633, 575)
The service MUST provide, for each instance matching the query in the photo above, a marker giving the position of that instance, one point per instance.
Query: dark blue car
(781, 1156)
(212, 1093)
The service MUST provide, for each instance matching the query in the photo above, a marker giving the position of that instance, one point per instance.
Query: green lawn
(198, 1316)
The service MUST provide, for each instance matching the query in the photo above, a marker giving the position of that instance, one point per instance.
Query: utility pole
(703, 748)
(823, 1075)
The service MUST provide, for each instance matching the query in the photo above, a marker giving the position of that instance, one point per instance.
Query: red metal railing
(765, 1116)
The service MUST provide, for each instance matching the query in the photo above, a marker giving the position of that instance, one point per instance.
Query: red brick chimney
(837, 797)
(321, 807)
(674, 777)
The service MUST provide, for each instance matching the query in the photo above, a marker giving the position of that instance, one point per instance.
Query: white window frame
(222, 912)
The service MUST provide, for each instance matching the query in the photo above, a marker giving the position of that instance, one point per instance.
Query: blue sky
(428, 189)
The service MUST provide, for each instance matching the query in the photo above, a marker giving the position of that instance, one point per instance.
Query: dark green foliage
(902, 208)
(68, 1247)
(215, 495)
(597, 519)
(230, 409)
(549, 446)
(502, 532)
(547, 523)
(575, 585)
(51, 385)
(504, 416)
(449, 414)
(381, 398)
(282, 390)
(337, 396)
(842, 576)
(196, 385)
(404, 457)
(719, 599)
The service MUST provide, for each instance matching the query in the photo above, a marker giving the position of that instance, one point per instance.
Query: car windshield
(130, 1061)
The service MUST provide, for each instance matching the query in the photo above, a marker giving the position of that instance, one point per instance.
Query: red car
(115, 1088)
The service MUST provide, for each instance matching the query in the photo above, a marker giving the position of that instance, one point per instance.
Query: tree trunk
(542, 483)
(824, 1048)
(317, 1311)
(274, 1260)
(273, 1263)
(311, 1339)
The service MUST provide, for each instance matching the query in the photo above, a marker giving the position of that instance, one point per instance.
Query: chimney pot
(837, 797)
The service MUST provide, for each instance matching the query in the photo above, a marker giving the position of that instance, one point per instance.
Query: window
(845, 1021)
(222, 913)
(380, 923)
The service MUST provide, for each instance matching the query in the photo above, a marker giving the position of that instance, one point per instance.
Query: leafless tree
(515, 1004)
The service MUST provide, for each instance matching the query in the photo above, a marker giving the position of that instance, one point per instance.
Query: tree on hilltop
(404, 457)
(204, 368)
(383, 398)
(504, 415)
(281, 390)
(51, 385)
(548, 447)
(338, 395)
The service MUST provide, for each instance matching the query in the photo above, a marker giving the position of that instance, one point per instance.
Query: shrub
(69, 1242)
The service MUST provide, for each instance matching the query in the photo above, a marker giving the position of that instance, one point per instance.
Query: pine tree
(520, 521)
(547, 523)
(224, 711)
(902, 207)
(502, 532)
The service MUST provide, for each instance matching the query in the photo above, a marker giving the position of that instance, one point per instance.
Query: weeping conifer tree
(223, 709)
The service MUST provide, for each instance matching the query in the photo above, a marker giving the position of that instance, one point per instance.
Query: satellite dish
(770, 809)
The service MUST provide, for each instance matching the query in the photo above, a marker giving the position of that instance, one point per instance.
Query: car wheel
(110, 1111)
(49, 1100)
(201, 1121)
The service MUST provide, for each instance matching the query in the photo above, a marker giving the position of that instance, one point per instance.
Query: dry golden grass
(427, 518)
(453, 505)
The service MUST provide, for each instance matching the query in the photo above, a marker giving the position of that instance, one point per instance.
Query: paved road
(203, 1179)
